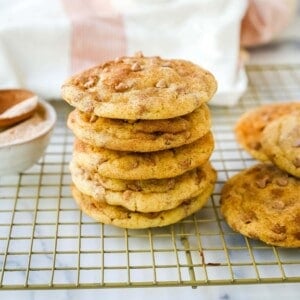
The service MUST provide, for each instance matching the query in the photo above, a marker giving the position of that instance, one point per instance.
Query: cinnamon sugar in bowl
(23, 143)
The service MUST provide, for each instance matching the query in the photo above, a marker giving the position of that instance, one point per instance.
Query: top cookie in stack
(134, 88)
(143, 140)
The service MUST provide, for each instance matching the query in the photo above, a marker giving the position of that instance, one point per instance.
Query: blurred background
(42, 43)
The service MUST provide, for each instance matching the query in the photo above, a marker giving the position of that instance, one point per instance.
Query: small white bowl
(17, 156)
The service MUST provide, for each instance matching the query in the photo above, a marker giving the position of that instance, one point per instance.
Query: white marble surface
(284, 50)
(241, 292)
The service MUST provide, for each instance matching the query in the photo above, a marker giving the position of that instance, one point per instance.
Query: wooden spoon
(16, 105)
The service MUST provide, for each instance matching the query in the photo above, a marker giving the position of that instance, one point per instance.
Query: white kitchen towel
(44, 42)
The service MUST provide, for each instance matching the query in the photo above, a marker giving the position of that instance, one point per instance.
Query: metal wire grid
(46, 242)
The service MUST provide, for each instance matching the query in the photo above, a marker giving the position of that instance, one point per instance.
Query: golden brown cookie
(140, 88)
(140, 135)
(121, 217)
(249, 127)
(150, 195)
(262, 202)
(141, 166)
(281, 143)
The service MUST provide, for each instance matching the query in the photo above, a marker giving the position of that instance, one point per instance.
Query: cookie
(144, 195)
(140, 88)
(262, 202)
(251, 124)
(140, 135)
(121, 217)
(141, 166)
(281, 143)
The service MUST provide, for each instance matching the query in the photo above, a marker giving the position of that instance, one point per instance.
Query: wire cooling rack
(46, 242)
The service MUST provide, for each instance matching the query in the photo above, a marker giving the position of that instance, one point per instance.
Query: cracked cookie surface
(140, 135)
(144, 195)
(121, 217)
(140, 87)
(151, 165)
(262, 202)
(249, 127)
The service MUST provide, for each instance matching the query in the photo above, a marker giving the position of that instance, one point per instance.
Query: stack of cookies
(263, 202)
(143, 140)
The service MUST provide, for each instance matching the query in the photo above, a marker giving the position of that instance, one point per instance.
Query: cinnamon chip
(161, 84)
(255, 145)
(279, 229)
(89, 106)
(149, 160)
(278, 204)
(153, 215)
(282, 181)
(121, 87)
(248, 217)
(296, 162)
(127, 194)
(262, 183)
(142, 109)
(92, 80)
(171, 184)
(93, 118)
(102, 160)
(186, 163)
(136, 67)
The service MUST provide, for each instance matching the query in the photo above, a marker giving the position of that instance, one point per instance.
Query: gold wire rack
(46, 242)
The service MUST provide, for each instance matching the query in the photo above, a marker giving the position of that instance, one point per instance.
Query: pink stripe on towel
(98, 33)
